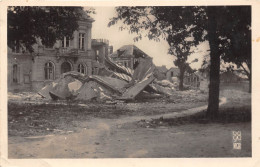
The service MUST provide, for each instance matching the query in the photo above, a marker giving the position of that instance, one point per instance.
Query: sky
(118, 38)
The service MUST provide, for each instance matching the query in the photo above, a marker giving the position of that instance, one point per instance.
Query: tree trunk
(181, 78)
(250, 83)
(213, 102)
(250, 77)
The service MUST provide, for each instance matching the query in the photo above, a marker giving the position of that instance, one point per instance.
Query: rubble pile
(113, 81)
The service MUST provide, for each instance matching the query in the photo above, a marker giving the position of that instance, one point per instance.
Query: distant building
(162, 69)
(192, 80)
(234, 80)
(172, 74)
(161, 72)
(128, 56)
(197, 80)
(229, 77)
(82, 53)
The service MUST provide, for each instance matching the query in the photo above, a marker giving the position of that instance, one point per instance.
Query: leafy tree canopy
(225, 27)
(176, 23)
(238, 48)
(232, 29)
(171, 23)
(26, 24)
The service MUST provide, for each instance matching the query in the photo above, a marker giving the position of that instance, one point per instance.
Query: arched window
(81, 68)
(15, 73)
(49, 71)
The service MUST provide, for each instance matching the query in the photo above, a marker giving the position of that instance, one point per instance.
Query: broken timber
(133, 91)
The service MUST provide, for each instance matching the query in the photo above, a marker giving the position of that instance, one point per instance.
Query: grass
(226, 115)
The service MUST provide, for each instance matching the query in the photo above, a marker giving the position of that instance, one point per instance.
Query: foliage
(227, 29)
(175, 24)
(170, 23)
(161, 22)
(27, 24)
(233, 36)
(236, 47)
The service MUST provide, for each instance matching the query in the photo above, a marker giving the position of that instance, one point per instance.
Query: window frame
(47, 69)
(64, 42)
(81, 67)
(81, 41)
(15, 73)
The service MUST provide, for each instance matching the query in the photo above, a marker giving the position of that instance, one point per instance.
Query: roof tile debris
(114, 82)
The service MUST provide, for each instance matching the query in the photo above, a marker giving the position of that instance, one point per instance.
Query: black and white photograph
(95, 82)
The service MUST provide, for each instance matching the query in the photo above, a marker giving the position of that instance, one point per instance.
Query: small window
(171, 73)
(17, 48)
(65, 42)
(49, 71)
(81, 41)
(125, 64)
(15, 73)
(96, 70)
(81, 68)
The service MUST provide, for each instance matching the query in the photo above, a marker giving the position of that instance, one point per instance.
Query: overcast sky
(117, 38)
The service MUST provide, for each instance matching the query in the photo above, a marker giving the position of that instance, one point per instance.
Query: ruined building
(128, 56)
(31, 71)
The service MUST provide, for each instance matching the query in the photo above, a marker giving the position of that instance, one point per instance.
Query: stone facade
(19, 71)
(160, 72)
(31, 71)
(128, 56)
(192, 80)
(197, 80)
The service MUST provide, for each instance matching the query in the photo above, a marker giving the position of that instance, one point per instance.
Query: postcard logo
(237, 137)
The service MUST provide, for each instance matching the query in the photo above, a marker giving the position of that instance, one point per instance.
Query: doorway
(65, 67)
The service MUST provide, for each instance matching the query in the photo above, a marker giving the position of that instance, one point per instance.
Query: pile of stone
(113, 82)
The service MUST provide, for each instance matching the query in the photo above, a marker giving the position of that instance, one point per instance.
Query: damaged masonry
(114, 82)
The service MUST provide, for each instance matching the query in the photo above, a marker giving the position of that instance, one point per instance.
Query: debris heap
(113, 82)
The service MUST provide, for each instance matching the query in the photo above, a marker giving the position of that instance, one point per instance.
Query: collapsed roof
(113, 81)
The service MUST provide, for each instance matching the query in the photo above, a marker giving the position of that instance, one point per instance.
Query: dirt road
(119, 136)
(104, 141)
(110, 138)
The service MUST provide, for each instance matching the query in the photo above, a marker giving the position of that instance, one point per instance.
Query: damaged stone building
(172, 74)
(128, 56)
(31, 71)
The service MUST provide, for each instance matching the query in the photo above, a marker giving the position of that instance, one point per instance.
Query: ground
(164, 127)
